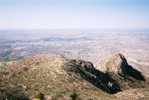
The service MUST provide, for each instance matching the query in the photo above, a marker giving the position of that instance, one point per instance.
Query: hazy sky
(74, 14)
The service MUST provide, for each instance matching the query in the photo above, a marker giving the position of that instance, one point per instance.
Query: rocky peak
(116, 63)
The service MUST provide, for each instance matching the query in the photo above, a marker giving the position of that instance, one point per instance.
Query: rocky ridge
(55, 74)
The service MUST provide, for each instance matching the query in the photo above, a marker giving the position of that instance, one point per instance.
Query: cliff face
(56, 74)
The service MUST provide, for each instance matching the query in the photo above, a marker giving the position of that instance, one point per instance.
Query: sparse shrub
(25, 68)
(74, 95)
(4, 64)
(40, 95)
(13, 94)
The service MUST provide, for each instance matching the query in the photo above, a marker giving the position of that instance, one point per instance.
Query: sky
(74, 14)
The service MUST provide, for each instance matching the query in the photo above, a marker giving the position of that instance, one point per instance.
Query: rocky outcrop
(117, 64)
(86, 65)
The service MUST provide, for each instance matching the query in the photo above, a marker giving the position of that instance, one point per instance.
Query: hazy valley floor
(91, 46)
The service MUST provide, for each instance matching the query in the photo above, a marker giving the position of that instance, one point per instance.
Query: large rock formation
(116, 63)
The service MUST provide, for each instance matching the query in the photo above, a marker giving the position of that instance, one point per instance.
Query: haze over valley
(91, 46)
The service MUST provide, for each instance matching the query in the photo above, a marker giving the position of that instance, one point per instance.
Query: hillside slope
(54, 75)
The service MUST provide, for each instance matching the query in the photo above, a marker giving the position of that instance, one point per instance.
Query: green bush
(40, 95)
(74, 95)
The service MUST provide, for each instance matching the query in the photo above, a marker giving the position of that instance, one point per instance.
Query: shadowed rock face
(97, 78)
(88, 66)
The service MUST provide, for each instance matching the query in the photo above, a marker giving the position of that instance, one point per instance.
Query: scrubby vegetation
(3, 65)
(13, 94)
